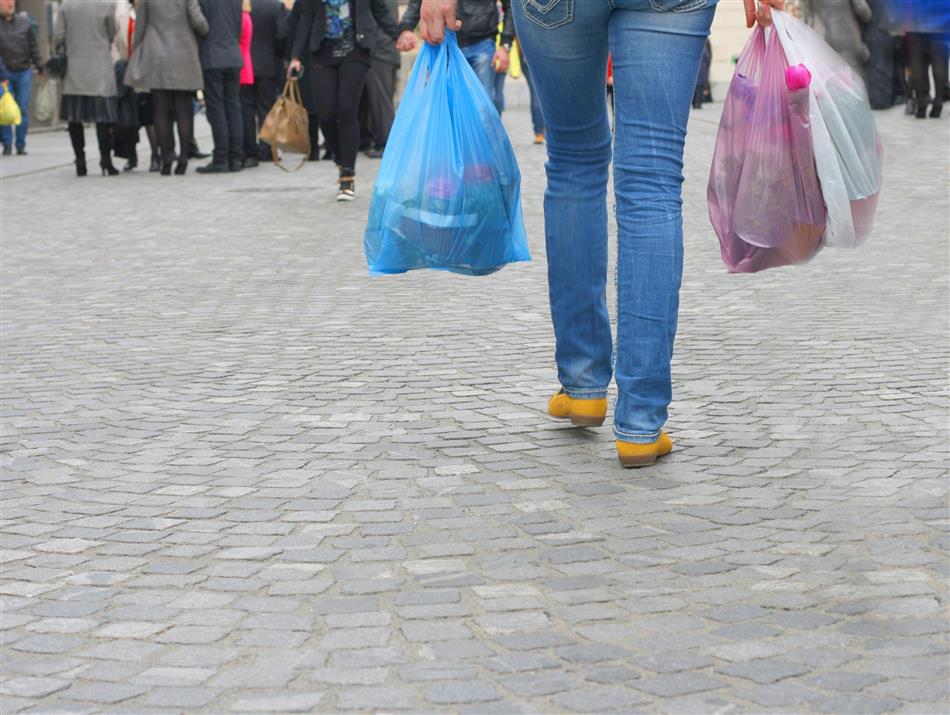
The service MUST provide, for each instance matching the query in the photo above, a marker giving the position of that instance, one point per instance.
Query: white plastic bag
(45, 105)
(848, 154)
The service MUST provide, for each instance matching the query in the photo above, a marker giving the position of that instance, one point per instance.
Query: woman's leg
(185, 119)
(77, 138)
(656, 56)
(352, 79)
(324, 80)
(938, 59)
(920, 77)
(104, 138)
(566, 48)
(161, 118)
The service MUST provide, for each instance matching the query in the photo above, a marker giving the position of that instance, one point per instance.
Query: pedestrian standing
(21, 53)
(85, 29)
(248, 105)
(165, 62)
(928, 37)
(656, 49)
(221, 61)
(477, 35)
(381, 85)
(269, 18)
(334, 36)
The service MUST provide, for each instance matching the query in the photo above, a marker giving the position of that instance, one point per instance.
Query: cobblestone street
(241, 476)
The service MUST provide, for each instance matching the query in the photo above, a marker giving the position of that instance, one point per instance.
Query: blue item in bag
(448, 193)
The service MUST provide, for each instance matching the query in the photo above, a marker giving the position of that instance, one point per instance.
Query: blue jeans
(656, 47)
(479, 56)
(21, 85)
(537, 118)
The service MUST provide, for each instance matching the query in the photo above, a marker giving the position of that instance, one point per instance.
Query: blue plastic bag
(448, 192)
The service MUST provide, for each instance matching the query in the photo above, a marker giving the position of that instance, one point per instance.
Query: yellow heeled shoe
(583, 413)
(643, 455)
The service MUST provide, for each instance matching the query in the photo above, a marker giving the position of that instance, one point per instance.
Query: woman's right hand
(294, 67)
(435, 16)
(763, 15)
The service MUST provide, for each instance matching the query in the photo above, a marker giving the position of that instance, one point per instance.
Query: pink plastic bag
(765, 201)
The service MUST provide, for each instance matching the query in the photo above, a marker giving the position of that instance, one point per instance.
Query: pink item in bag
(765, 201)
(797, 77)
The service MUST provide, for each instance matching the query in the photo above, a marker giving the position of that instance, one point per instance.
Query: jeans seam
(653, 435)
(574, 392)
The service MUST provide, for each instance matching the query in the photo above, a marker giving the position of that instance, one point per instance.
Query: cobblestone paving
(240, 476)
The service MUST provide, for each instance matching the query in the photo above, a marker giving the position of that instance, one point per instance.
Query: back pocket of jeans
(549, 13)
(678, 5)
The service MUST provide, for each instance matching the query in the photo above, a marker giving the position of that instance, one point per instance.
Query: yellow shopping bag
(9, 109)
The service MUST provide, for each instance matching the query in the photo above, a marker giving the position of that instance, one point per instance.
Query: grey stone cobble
(239, 475)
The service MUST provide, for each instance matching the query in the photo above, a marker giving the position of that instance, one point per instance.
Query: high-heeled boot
(78, 140)
(104, 135)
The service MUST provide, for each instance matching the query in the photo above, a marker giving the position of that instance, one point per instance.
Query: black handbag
(56, 65)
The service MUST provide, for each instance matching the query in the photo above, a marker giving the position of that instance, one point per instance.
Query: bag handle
(280, 162)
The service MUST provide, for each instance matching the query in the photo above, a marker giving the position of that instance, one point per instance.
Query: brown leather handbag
(287, 126)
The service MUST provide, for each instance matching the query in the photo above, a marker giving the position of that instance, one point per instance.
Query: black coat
(270, 34)
(385, 45)
(221, 47)
(312, 26)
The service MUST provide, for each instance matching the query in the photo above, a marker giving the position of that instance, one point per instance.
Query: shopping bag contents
(448, 192)
(797, 163)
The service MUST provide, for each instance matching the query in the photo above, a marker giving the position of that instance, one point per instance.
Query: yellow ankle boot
(583, 413)
(643, 455)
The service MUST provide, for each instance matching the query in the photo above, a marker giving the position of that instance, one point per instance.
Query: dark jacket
(312, 26)
(385, 49)
(479, 20)
(221, 48)
(270, 33)
(18, 45)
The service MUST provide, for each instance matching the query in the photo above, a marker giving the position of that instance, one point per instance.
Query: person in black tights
(165, 61)
(926, 50)
(85, 30)
(335, 37)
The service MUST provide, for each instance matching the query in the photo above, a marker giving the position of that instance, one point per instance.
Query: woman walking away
(165, 62)
(85, 29)
(656, 48)
(334, 36)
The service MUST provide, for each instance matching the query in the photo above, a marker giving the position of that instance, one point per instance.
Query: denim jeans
(656, 47)
(21, 85)
(537, 118)
(480, 56)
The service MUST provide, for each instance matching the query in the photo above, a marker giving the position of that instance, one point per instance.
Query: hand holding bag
(9, 109)
(287, 126)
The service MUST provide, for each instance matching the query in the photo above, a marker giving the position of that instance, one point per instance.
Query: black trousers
(380, 88)
(173, 105)
(256, 101)
(223, 106)
(927, 50)
(337, 88)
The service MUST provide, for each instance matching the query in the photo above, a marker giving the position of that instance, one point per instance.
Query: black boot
(935, 110)
(132, 162)
(77, 138)
(104, 136)
(155, 164)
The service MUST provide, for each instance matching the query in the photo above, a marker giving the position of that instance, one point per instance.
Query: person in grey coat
(381, 84)
(85, 29)
(221, 63)
(165, 61)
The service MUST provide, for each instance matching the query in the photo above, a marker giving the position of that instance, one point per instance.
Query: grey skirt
(81, 108)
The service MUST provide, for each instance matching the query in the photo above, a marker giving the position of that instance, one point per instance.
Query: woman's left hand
(763, 15)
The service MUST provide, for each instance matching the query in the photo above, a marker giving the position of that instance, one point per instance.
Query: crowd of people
(142, 66)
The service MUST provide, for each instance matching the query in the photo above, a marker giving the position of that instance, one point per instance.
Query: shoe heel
(587, 421)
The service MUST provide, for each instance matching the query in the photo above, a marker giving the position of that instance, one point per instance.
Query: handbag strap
(279, 162)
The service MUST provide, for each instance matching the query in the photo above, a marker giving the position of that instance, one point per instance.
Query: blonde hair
(246, 5)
